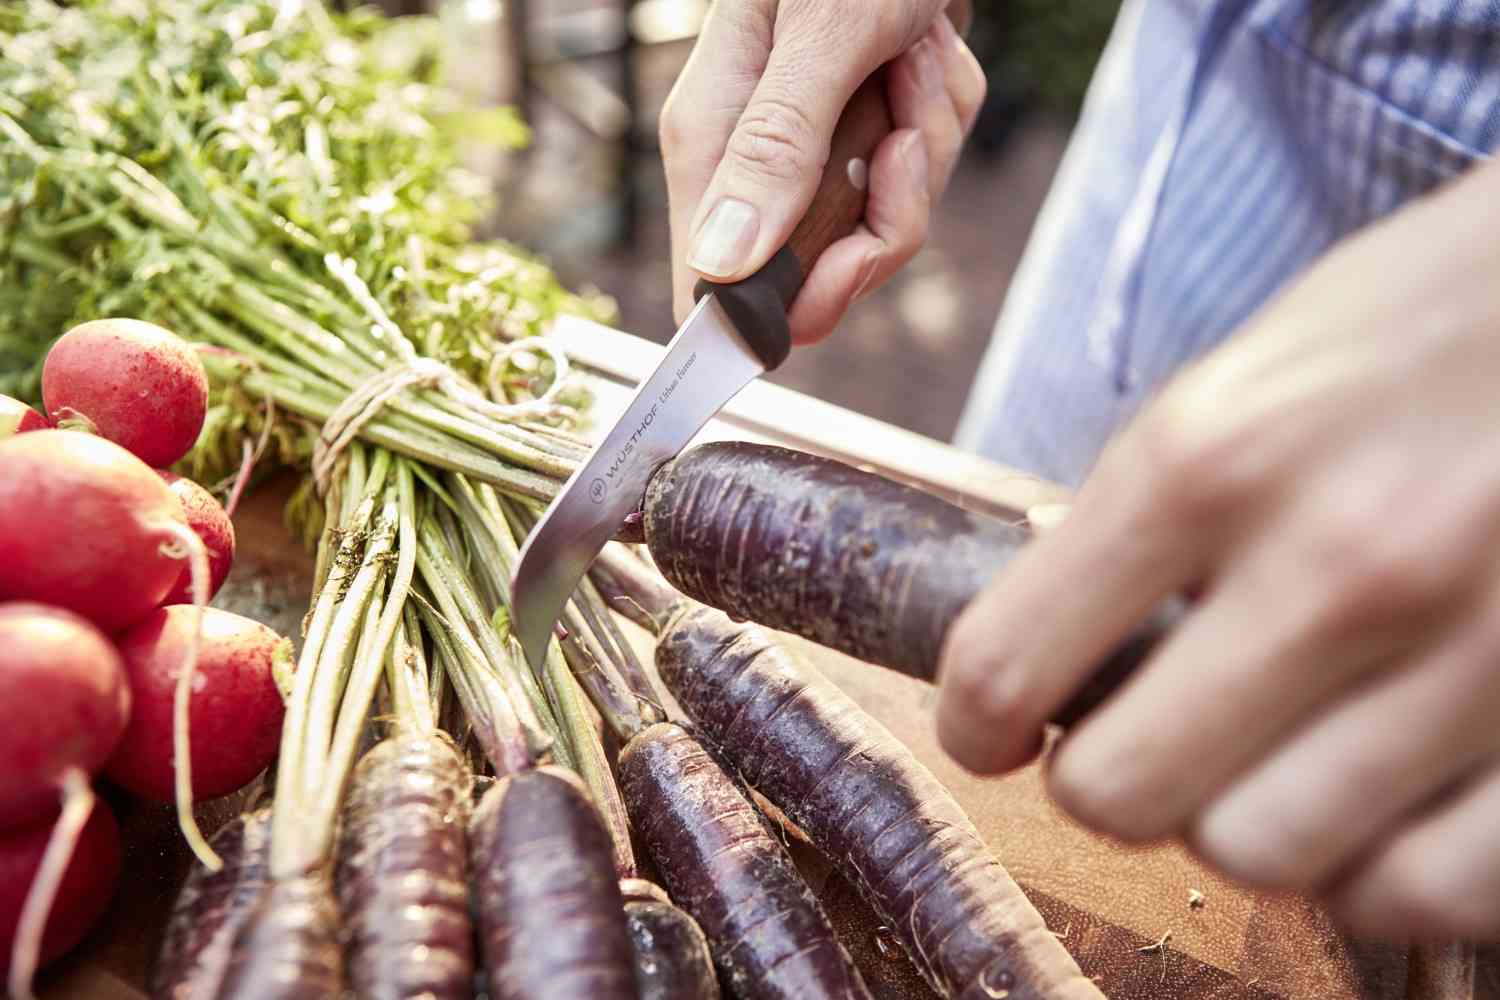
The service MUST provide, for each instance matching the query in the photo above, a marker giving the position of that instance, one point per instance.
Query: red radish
(211, 524)
(85, 526)
(63, 677)
(131, 382)
(77, 881)
(236, 708)
(18, 418)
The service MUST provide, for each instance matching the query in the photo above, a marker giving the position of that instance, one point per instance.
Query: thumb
(774, 159)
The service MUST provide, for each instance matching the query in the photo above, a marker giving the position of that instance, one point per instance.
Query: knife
(736, 333)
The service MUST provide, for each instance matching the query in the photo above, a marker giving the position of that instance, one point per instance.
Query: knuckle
(971, 90)
(975, 679)
(670, 134)
(1190, 465)
(672, 128)
(1395, 578)
(985, 706)
(774, 142)
(899, 25)
(1251, 864)
(1242, 858)
(995, 698)
(906, 243)
(1420, 893)
(1220, 838)
(1375, 575)
(1283, 848)
(1129, 784)
(968, 647)
(867, 30)
(1423, 885)
(1107, 799)
(1435, 884)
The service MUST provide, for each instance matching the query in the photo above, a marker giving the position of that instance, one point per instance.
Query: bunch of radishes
(109, 663)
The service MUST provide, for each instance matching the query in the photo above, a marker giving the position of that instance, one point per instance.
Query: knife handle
(758, 305)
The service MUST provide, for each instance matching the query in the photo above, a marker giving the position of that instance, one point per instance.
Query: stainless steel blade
(706, 364)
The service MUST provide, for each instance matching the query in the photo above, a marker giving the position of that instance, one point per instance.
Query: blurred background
(590, 77)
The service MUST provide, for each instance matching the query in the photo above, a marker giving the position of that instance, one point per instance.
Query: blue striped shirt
(1223, 146)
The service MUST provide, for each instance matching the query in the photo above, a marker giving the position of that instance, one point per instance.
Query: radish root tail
(252, 455)
(78, 805)
(185, 544)
(247, 466)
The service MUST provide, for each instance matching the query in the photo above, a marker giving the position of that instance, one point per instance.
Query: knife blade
(706, 364)
(736, 333)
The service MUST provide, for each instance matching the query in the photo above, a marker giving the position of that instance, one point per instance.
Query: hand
(746, 131)
(1328, 485)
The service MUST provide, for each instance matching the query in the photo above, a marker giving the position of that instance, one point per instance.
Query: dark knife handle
(759, 305)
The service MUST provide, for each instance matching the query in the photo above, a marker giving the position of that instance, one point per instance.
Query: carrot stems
(580, 731)
(630, 666)
(414, 703)
(634, 589)
(485, 705)
(355, 706)
(586, 645)
(458, 604)
(590, 668)
(347, 536)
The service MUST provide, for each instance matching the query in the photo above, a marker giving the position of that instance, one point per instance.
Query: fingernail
(726, 239)
(866, 276)
(914, 155)
(946, 31)
(929, 73)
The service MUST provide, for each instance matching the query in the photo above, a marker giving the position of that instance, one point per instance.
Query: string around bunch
(416, 372)
(361, 406)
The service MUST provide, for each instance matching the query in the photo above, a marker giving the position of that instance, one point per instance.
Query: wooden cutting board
(1125, 913)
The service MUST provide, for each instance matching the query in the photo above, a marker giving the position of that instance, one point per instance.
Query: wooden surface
(1111, 905)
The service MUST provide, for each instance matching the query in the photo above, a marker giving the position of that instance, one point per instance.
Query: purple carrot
(551, 919)
(210, 909)
(402, 877)
(881, 817)
(672, 960)
(846, 558)
(288, 948)
(722, 863)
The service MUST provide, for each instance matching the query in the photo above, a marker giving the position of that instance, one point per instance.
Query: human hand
(745, 136)
(1327, 484)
